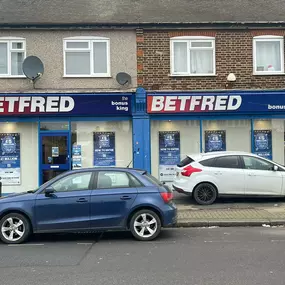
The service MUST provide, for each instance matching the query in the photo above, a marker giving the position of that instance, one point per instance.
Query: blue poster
(10, 171)
(104, 149)
(215, 141)
(169, 154)
(76, 156)
(263, 143)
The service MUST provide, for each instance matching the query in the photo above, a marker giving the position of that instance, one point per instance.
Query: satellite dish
(33, 67)
(123, 78)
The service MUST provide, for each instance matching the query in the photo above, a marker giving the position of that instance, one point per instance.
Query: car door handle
(81, 200)
(218, 173)
(126, 198)
(250, 174)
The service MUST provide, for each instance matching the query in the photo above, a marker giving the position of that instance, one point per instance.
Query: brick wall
(233, 54)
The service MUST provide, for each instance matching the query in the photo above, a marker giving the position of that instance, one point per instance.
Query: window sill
(192, 75)
(12, 77)
(268, 74)
(87, 76)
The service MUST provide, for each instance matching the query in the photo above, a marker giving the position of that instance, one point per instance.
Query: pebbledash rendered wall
(233, 52)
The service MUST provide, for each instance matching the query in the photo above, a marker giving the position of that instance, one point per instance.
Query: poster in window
(104, 149)
(263, 143)
(215, 140)
(169, 154)
(10, 169)
(76, 156)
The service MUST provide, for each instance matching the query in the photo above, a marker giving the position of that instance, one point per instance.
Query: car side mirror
(49, 191)
(275, 168)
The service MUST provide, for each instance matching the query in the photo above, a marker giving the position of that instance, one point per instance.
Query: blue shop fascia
(43, 135)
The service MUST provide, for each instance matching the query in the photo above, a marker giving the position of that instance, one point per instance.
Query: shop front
(185, 123)
(43, 135)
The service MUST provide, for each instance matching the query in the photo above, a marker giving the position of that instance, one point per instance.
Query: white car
(206, 176)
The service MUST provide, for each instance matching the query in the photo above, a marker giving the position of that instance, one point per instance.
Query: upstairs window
(12, 55)
(86, 57)
(268, 55)
(193, 56)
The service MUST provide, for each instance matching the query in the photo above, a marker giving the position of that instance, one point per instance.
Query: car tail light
(166, 196)
(188, 170)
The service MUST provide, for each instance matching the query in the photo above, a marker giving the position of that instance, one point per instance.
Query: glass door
(55, 154)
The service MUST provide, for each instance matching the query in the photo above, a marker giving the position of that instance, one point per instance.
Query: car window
(207, 162)
(73, 182)
(187, 160)
(256, 163)
(231, 161)
(113, 179)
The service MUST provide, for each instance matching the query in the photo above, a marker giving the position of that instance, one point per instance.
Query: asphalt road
(209, 256)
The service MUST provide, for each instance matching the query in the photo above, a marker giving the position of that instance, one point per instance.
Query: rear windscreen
(187, 160)
(152, 179)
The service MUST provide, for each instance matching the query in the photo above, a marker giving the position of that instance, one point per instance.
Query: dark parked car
(86, 199)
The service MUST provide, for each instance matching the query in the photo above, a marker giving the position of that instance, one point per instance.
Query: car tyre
(145, 225)
(14, 228)
(205, 194)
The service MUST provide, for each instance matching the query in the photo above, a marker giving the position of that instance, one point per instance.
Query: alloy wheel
(145, 225)
(13, 229)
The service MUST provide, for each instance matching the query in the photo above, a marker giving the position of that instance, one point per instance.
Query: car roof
(96, 168)
(201, 156)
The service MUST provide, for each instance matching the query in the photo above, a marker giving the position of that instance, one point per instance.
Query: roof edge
(148, 25)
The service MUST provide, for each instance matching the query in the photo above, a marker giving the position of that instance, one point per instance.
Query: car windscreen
(187, 160)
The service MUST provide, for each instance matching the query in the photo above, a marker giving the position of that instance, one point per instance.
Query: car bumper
(170, 216)
(180, 190)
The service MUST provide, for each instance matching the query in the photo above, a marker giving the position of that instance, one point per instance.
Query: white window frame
(90, 41)
(188, 40)
(268, 38)
(9, 41)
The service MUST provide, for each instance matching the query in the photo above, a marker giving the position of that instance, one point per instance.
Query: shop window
(268, 55)
(104, 143)
(87, 57)
(12, 55)
(193, 56)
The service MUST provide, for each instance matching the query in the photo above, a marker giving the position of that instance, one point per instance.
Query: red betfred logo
(197, 103)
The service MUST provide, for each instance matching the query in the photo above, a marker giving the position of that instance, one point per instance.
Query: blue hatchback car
(90, 199)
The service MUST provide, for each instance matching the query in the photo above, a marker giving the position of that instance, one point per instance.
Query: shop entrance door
(55, 154)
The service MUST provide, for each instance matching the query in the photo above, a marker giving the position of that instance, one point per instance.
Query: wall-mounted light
(231, 77)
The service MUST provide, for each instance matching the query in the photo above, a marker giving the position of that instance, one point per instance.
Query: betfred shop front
(43, 135)
(185, 123)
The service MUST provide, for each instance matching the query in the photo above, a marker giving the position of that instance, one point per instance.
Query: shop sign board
(65, 105)
(10, 169)
(104, 149)
(215, 140)
(169, 154)
(263, 143)
(208, 103)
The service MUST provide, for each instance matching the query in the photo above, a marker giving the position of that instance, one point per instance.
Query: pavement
(231, 212)
(194, 256)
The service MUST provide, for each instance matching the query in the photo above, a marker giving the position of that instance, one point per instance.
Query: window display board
(215, 140)
(169, 154)
(263, 143)
(10, 171)
(104, 149)
(76, 156)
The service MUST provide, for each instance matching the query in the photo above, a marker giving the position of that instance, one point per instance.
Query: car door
(260, 177)
(111, 201)
(68, 207)
(227, 171)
